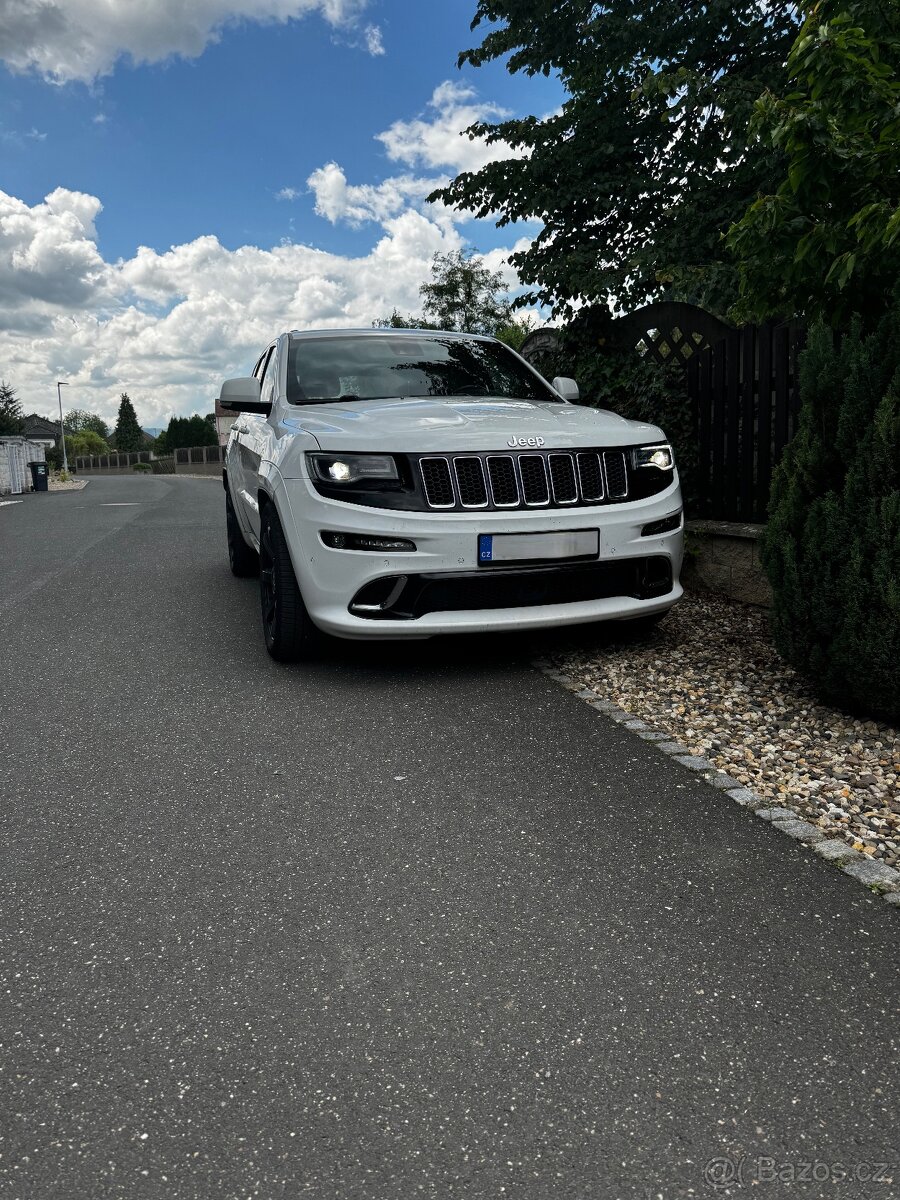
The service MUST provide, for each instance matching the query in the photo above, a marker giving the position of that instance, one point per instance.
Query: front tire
(243, 560)
(290, 634)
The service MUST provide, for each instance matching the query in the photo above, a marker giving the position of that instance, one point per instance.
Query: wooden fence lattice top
(669, 330)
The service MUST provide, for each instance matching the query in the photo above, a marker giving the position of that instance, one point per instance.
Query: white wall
(15, 455)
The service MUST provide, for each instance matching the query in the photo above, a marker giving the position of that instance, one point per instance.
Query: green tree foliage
(646, 165)
(10, 410)
(397, 321)
(832, 545)
(85, 442)
(515, 330)
(464, 294)
(128, 434)
(826, 241)
(185, 432)
(80, 421)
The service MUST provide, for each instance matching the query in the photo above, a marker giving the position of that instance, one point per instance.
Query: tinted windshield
(378, 366)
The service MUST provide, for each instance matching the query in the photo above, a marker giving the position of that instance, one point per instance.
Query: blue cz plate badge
(538, 547)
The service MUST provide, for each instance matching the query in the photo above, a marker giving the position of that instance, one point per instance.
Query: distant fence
(192, 460)
(112, 462)
(743, 390)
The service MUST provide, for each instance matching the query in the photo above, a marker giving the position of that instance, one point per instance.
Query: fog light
(363, 541)
(666, 525)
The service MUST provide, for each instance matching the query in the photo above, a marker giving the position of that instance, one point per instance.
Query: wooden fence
(743, 391)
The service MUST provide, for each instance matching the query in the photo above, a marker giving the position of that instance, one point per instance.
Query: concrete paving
(414, 921)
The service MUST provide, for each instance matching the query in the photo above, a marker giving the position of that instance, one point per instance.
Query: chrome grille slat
(590, 475)
(504, 480)
(562, 478)
(470, 484)
(616, 474)
(437, 482)
(533, 474)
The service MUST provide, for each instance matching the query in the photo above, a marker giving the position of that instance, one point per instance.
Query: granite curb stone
(883, 879)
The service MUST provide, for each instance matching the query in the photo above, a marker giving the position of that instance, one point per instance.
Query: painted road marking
(3, 503)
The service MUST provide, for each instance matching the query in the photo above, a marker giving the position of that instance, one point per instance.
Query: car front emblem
(525, 443)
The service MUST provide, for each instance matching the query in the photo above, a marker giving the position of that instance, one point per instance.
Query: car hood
(424, 425)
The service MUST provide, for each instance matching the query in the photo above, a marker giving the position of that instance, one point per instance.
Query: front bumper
(445, 564)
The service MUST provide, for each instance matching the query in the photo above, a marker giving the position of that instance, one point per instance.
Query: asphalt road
(413, 922)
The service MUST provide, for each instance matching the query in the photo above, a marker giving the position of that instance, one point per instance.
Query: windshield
(382, 366)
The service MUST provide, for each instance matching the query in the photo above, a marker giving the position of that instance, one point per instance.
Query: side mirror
(566, 387)
(242, 395)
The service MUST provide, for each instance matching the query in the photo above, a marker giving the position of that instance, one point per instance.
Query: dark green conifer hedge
(832, 545)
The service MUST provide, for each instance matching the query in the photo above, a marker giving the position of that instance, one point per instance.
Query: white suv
(403, 483)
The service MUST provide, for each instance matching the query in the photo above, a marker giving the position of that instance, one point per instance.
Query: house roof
(34, 425)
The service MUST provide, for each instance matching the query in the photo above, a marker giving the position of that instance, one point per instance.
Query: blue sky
(194, 146)
(212, 139)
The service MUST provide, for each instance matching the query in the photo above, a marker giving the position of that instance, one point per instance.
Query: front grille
(437, 482)
(534, 479)
(470, 482)
(616, 474)
(504, 485)
(590, 475)
(562, 477)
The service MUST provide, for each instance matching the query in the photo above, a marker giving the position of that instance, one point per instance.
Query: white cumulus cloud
(373, 39)
(337, 200)
(68, 40)
(168, 327)
(438, 141)
(434, 141)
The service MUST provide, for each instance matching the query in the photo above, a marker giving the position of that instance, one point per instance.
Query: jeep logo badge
(523, 443)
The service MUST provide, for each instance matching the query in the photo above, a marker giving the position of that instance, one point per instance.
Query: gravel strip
(710, 679)
(74, 485)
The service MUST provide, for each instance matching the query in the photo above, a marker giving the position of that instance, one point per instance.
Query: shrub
(832, 545)
(141, 467)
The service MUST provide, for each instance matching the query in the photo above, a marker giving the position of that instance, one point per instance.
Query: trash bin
(40, 476)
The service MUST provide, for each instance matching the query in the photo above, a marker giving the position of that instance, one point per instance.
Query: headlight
(660, 457)
(352, 468)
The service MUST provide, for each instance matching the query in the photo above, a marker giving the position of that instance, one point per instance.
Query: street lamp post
(60, 383)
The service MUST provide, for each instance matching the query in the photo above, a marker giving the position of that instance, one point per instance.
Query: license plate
(537, 547)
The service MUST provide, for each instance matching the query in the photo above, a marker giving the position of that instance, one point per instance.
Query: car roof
(430, 333)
